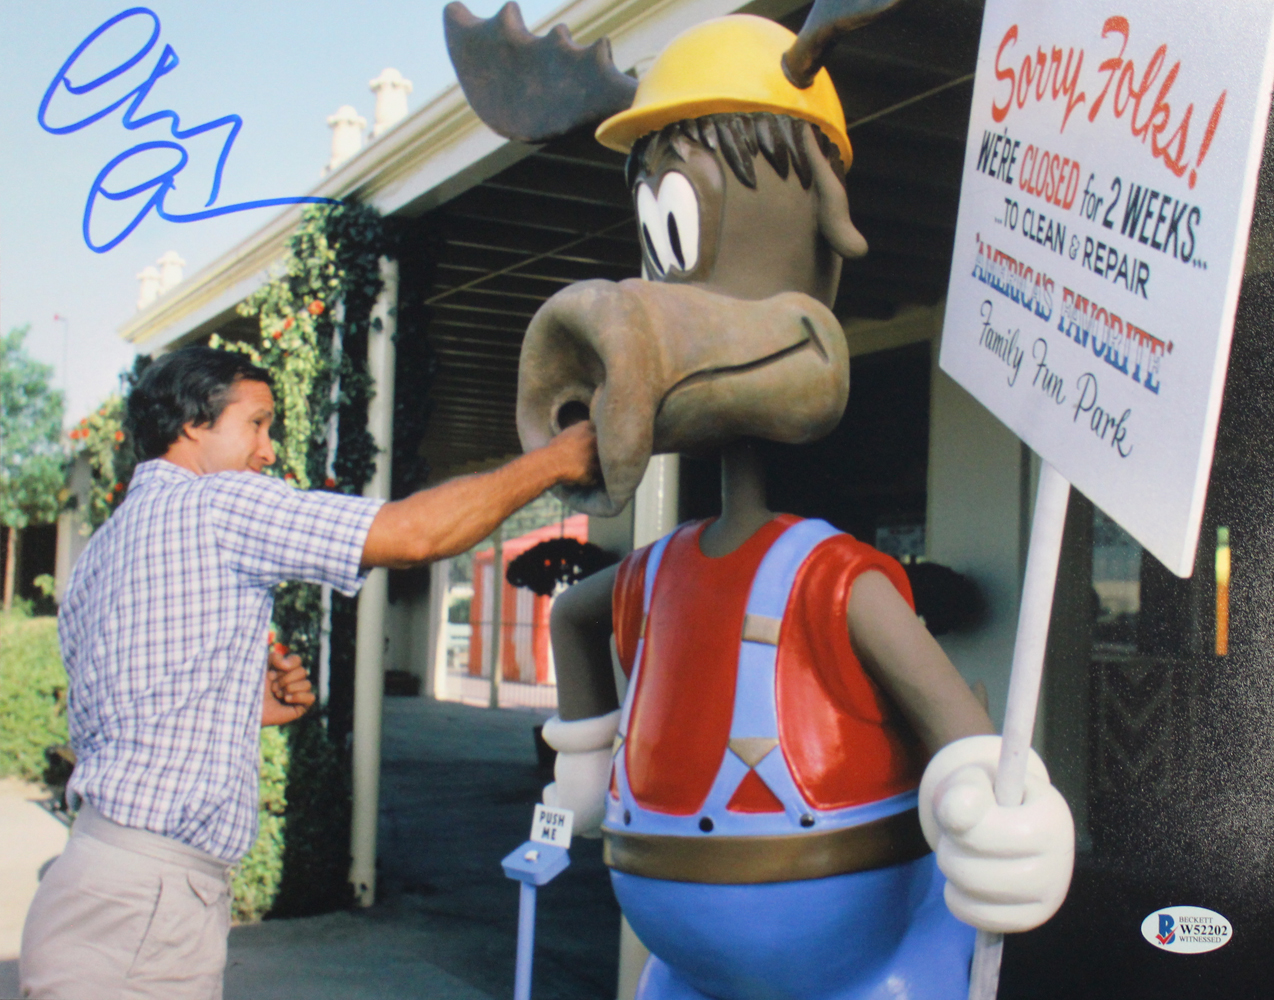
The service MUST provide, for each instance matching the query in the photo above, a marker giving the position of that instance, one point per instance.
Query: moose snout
(675, 367)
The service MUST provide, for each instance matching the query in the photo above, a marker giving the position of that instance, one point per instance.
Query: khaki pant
(126, 914)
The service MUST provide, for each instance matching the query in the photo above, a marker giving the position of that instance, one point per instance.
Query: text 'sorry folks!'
(1141, 97)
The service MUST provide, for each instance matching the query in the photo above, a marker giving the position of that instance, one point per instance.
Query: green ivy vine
(328, 284)
(332, 265)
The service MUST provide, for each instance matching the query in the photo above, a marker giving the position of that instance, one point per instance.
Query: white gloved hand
(1007, 867)
(583, 768)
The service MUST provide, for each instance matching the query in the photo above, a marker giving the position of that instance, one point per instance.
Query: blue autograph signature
(165, 181)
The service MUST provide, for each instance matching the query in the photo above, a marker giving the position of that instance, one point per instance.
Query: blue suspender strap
(755, 706)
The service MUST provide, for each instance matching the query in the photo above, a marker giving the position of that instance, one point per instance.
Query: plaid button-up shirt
(163, 631)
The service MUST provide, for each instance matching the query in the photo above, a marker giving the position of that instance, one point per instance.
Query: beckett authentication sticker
(1186, 930)
(1104, 208)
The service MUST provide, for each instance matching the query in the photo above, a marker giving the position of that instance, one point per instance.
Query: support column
(655, 504)
(497, 618)
(369, 657)
(978, 523)
(329, 471)
(436, 668)
(14, 546)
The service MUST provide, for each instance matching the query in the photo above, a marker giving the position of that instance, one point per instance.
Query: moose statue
(796, 795)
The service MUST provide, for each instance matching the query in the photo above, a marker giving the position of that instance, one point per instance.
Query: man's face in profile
(239, 441)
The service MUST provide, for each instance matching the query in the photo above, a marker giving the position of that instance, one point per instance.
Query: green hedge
(299, 865)
(32, 694)
(300, 861)
(257, 876)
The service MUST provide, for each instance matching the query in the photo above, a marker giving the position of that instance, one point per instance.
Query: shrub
(299, 865)
(316, 854)
(32, 694)
(33, 717)
(257, 876)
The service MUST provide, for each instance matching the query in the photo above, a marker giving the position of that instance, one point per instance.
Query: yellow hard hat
(730, 63)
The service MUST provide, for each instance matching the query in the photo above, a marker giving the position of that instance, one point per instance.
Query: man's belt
(881, 843)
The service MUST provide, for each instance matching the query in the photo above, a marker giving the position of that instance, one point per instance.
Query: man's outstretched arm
(453, 517)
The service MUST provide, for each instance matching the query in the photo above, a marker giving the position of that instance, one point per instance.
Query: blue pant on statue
(884, 934)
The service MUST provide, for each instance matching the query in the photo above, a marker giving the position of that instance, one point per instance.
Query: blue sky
(282, 66)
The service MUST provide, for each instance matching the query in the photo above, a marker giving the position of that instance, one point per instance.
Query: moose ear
(833, 204)
(827, 21)
(531, 88)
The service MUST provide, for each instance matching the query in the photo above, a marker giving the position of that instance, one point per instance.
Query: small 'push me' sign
(552, 826)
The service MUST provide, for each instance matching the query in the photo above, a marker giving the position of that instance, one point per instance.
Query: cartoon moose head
(760, 791)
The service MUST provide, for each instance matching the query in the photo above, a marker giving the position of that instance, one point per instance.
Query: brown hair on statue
(739, 136)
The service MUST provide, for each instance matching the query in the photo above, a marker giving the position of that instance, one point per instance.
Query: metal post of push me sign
(537, 862)
(1104, 209)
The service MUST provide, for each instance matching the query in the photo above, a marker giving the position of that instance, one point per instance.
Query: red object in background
(525, 630)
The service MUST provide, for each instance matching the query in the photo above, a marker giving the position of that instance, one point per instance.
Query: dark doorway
(868, 477)
(1180, 778)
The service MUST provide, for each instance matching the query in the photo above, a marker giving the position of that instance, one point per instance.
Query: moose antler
(532, 88)
(827, 21)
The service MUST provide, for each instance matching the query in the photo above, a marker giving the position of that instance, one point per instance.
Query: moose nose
(663, 367)
(573, 411)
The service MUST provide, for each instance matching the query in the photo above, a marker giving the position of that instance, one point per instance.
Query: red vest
(845, 742)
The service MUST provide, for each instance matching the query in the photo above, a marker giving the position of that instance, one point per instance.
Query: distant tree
(32, 464)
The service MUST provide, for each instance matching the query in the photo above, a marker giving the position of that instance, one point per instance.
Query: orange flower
(289, 475)
(287, 323)
(316, 308)
(329, 482)
(110, 497)
(281, 649)
(277, 334)
(119, 487)
(119, 435)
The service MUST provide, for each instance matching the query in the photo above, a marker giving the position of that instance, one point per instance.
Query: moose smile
(676, 367)
(810, 342)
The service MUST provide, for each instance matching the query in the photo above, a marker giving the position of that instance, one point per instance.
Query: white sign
(1187, 930)
(1104, 209)
(552, 826)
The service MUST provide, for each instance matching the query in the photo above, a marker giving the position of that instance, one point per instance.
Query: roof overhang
(436, 153)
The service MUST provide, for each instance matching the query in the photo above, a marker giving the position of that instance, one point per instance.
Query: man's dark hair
(189, 386)
(739, 136)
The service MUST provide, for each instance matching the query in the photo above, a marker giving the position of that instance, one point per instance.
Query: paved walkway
(458, 786)
(31, 838)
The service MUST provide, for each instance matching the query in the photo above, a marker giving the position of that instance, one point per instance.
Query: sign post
(1107, 192)
(1051, 498)
(537, 862)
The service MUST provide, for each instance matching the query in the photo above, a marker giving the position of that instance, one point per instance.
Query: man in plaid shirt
(163, 629)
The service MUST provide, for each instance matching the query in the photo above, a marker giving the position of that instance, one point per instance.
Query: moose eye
(680, 210)
(654, 237)
(669, 223)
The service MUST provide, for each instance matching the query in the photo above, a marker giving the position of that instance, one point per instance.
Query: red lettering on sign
(1052, 78)
(1139, 96)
